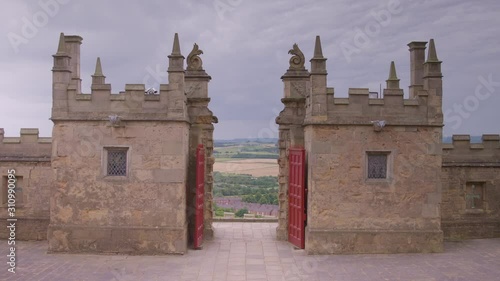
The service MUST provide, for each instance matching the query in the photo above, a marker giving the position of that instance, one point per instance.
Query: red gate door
(296, 197)
(200, 193)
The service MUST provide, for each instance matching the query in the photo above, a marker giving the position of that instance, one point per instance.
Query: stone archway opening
(246, 181)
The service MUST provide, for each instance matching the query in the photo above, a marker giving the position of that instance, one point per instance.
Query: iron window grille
(377, 166)
(117, 162)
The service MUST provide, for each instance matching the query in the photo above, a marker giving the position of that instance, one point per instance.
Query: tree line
(262, 190)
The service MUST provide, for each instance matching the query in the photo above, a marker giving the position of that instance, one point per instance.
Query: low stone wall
(122, 240)
(327, 241)
(28, 229)
(29, 156)
(471, 188)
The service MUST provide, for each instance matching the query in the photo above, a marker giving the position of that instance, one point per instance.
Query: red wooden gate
(297, 197)
(200, 193)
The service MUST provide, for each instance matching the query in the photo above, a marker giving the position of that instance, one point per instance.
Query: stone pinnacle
(432, 55)
(318, 51)
(98, 68)
(61, 48)
(176, 49)
(392, 72)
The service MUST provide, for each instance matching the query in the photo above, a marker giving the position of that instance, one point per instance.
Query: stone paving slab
(248, 251)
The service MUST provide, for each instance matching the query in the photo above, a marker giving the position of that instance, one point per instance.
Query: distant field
(245, 150)
(254, 167)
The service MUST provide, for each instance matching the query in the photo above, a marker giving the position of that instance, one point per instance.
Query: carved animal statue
(297, 60)
(194, 61)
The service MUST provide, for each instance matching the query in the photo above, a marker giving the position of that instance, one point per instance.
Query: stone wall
(466, 213)
(142, 211)
(349, 213)
(29, 156)
(346, 211)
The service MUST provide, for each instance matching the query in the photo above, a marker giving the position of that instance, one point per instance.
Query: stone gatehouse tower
(373, 164)
(121, 161)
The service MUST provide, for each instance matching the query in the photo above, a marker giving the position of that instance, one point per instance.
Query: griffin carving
(297, 60)
(194, 61)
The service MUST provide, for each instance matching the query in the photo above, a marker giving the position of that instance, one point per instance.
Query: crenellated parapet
(135, 103)
(360, 109)
(461, 152)
(131, 104)
(423, 108)
(28, 147)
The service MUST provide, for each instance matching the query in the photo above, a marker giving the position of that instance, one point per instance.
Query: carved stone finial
(98, 68)
(61, 48)
(432, 55)
(176, 48)
(393, 81)
(194, 61)
(318, 51)
(297, 60)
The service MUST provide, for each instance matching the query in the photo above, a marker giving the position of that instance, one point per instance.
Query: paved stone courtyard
(248, 251)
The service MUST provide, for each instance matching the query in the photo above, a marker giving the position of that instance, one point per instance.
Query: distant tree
(241, 212)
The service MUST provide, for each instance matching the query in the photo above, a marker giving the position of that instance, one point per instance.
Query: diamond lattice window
(377, 166)
(117, 162)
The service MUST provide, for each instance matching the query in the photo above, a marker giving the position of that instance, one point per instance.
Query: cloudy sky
(245, 44)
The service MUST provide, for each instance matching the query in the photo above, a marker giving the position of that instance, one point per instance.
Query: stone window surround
(104, 162)
(3, 191)
(390, 164)
(477, 211)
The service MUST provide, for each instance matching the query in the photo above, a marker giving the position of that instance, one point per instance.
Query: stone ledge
(325, 241)
(24, 159)
(134, 240)
(470, 229)
(471, 164)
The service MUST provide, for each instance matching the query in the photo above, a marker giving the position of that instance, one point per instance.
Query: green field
(245, 149)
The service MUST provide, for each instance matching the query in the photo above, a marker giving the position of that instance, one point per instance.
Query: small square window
(116, 162)
(377, 165)
(5, 190)
(474, 194)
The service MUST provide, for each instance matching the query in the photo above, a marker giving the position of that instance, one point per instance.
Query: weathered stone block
(326, 241)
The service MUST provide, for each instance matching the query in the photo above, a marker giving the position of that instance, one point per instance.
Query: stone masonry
(146, 210)
(347, 211)
(29, 156)
(468, 213)
(424, 191)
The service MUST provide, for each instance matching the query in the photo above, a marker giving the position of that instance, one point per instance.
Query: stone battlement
(28, 147)
(69, 103)
(359, 108)
(461, 152)
(422, 108)
(132, 103)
